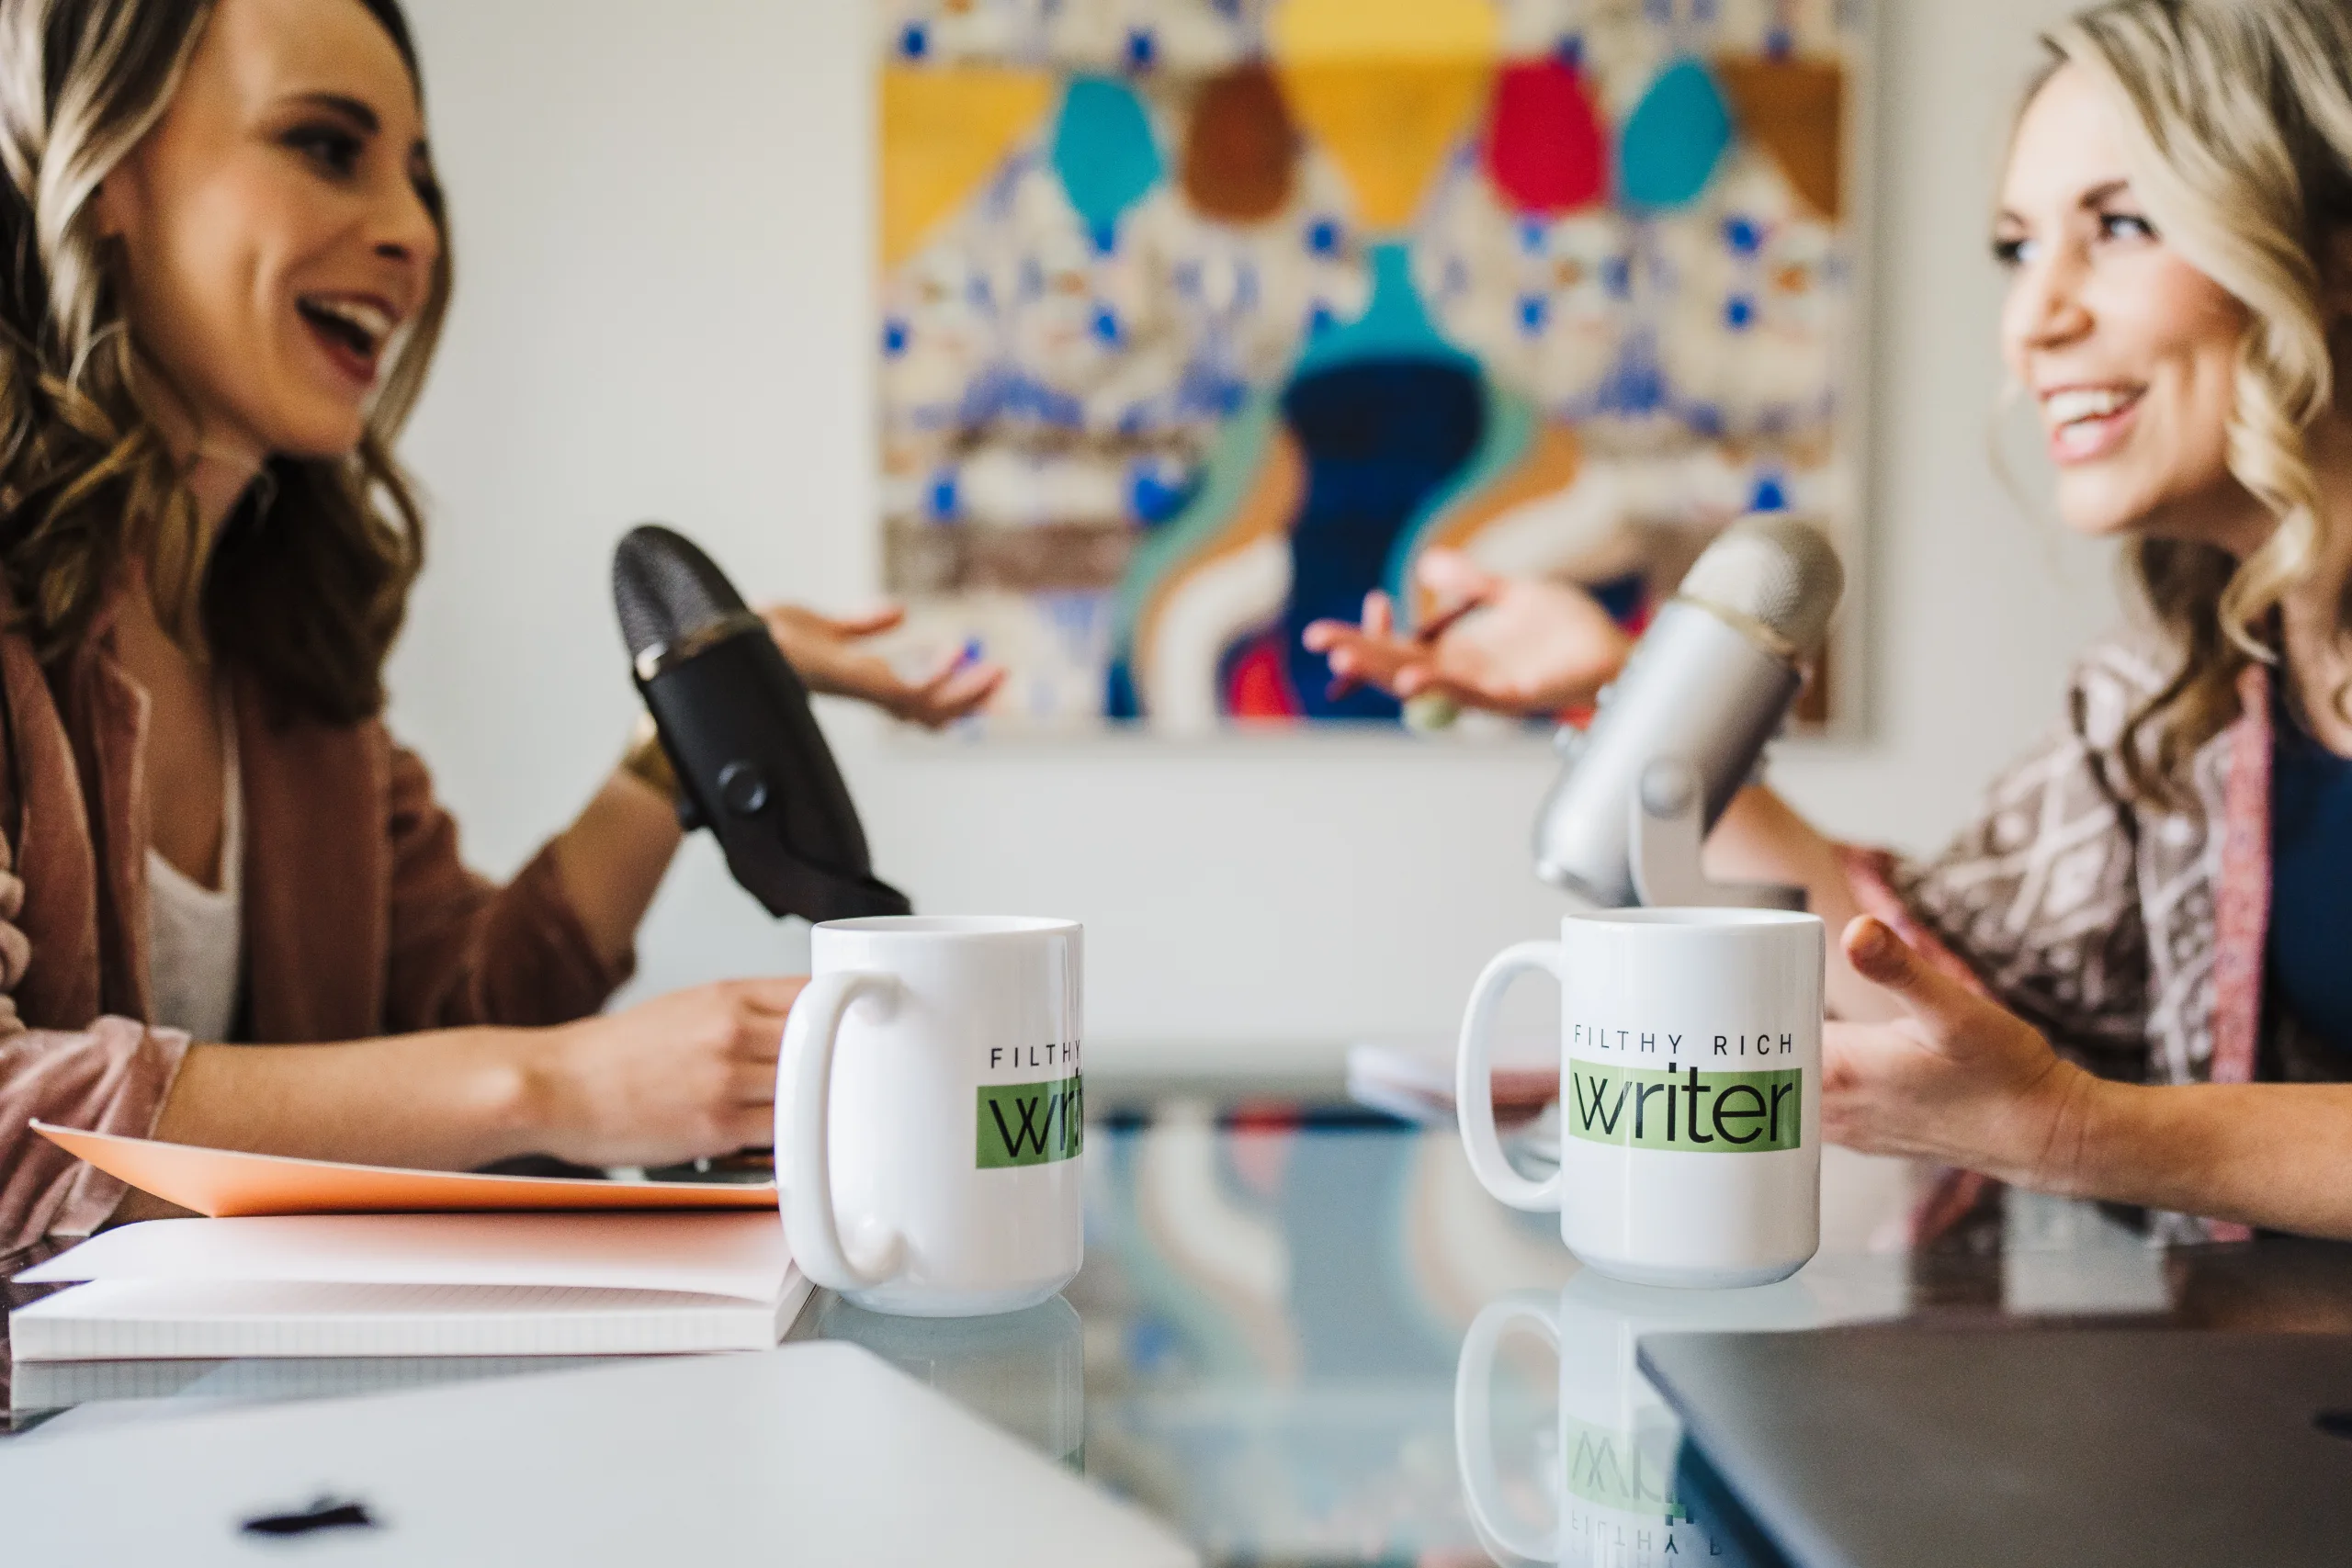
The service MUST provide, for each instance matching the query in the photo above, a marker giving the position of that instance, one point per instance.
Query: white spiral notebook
(480, 1284)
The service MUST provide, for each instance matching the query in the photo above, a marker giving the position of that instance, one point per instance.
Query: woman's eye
(2125, 226)
(2011, 251)
(333, 149)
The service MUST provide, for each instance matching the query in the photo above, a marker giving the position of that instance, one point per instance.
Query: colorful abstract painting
(1203, 318)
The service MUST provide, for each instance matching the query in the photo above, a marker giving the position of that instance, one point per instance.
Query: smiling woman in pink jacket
(223, 265)
(2085, 992)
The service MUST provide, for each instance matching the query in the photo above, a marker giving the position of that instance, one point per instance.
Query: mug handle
(1473, 1083)
(803, 1132)
(1474, 1421)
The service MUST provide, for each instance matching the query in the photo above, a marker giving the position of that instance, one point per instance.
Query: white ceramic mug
(1690, 1092)
(930, 1113)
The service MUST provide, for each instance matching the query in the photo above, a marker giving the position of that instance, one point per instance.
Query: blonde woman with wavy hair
(223, 265)
(2131, 979)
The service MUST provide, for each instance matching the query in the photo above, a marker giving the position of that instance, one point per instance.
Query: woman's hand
(1525, 646)
(824, 652)
(1957, 1079)
(679, 1078)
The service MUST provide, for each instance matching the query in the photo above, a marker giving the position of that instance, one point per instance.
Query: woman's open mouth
(2086, 422)
(351, 329)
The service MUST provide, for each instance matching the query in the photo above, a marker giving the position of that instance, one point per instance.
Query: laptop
(818, 1453)
(1954, 1448)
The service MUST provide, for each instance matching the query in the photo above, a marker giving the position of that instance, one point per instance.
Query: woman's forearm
(1761, 838)
(2278, 1156)
(448, 1099)
(613, 857)
(683, 1076)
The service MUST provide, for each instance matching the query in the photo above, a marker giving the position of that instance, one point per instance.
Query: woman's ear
(119, 201)
(106, 204)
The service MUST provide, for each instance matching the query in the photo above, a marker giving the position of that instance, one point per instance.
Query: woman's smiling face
(2128, 351)
(278, 226)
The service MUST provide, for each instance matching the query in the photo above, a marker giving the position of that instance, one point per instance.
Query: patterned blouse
(2130, 935)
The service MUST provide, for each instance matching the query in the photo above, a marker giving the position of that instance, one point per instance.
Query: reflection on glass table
(1277, 1307)
(1024, 1371)
(1602, 1490)
(1309, 1337)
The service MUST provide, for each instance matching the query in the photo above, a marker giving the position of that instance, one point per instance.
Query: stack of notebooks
(314, 1258)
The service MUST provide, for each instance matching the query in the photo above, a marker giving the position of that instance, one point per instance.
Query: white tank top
(195, 933)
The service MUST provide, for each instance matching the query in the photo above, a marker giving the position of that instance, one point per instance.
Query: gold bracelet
(646, 762)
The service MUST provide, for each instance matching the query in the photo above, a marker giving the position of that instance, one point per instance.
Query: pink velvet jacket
(2130, 935)
(359, 918)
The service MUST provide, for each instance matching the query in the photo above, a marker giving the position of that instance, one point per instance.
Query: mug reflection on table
(1025, 1372)
(1610, 1477)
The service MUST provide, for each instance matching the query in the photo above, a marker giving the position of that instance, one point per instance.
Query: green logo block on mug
(1031, 1123)
(1688, 1111)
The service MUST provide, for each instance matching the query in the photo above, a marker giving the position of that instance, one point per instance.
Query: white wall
(661, 207)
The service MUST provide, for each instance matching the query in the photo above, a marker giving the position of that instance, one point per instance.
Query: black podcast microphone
(752, 764)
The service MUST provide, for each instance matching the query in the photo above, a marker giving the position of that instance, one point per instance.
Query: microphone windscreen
(1775, 571)
(665, 589)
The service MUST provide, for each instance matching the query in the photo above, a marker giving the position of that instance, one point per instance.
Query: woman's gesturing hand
(824, 650)
(682, 1076)
(1957, 1079)
(1528, 647)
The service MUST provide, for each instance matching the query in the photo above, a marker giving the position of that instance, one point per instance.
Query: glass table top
(1309, 1337)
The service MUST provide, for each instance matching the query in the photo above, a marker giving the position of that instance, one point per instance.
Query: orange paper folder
(222, 1184)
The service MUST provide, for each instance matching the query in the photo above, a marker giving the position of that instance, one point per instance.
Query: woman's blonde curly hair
(2237, 126)
(308, 581)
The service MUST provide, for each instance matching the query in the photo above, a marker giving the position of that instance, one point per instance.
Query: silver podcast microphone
(1681, 728)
